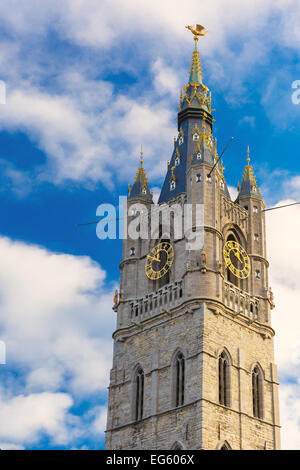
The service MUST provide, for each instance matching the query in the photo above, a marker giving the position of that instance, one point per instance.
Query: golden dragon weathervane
(197, 31)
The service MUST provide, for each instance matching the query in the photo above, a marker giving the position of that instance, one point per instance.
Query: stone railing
(152, 304)
(234, 213)
(240, 301)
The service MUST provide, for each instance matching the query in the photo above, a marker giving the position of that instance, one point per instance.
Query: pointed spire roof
(195, 94)
(194, 144)
(140, 186)
(248, 186)
(195, 70)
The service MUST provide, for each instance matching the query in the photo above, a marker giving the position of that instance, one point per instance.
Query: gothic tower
(193, 362)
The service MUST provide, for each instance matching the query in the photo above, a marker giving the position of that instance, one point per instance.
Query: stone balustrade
(154, 303)
(240, 301)
(234, 213)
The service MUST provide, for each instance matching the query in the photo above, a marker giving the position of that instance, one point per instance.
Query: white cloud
(55, 289)
(290, 415)
(24, 418)
(56, 322)
(99, 424)
(165, 79)
(10, 446)
(283, 226)
(233, 192)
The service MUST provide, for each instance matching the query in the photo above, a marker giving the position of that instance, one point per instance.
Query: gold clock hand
(154, 258)
(237, 255)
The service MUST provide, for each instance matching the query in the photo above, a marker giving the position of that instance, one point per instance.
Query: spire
(196, 70)
(248, 185)
(194, 144)
(195, 94)
(140, 186)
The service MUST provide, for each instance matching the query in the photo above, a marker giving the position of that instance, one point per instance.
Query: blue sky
(87, 83)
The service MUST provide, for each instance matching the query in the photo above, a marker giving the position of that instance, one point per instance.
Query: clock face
(236, 259)
(159, 260)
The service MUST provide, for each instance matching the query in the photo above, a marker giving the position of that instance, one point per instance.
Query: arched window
(139, 394)
(179, 370)
(224, 379)
(177, 446)
(225, 446)
(257, 392)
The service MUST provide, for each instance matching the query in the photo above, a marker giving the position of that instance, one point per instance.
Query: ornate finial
(195, 93)
(197, 31)
(140, 184)
(248, 154)
(248, 185)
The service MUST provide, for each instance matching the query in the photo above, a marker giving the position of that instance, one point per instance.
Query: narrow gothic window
(225, 446)
(172, 185)
(257, 392)
(180, 141)
(177, 446)
(223, 379)
(208, 178)
(199, 156)
(139, 394)
(132, 251)
(257, 274)
(198, 178)
(256, 237)
(255, 209)
(177, 161)
(179, 379)
(196, 136)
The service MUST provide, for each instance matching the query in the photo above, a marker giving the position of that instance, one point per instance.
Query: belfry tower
(193, 362)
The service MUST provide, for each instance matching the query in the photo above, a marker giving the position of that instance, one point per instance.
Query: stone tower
(193, 362)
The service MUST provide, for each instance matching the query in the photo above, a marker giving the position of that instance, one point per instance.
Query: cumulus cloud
(283, 227)
(24, 418)
(290, 415)
(56, 322)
